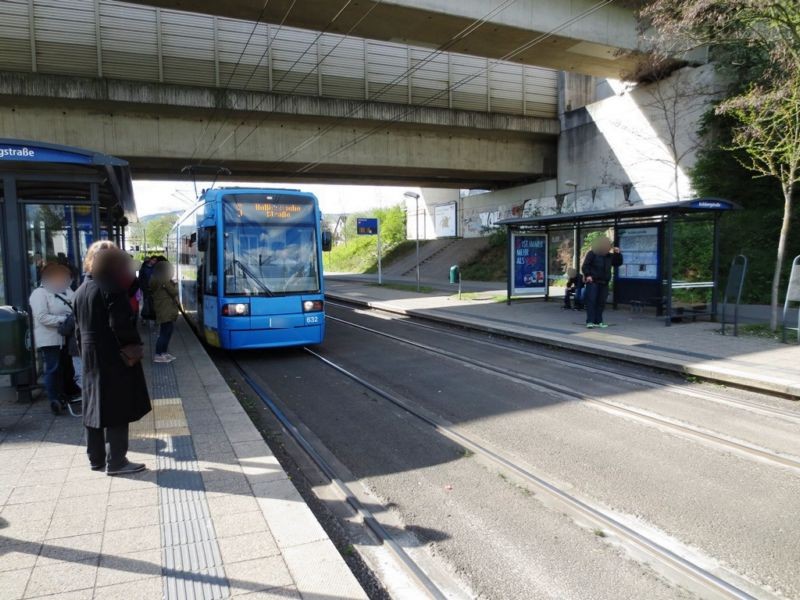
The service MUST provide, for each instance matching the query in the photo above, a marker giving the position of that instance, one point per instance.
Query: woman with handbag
(164, 292)
(52, 312)
(114, 388)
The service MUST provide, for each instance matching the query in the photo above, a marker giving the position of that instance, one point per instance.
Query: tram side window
(211, 273)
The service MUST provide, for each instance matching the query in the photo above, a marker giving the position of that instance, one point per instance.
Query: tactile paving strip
(191, 560)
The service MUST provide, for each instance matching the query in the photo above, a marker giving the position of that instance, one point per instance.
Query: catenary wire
(386, 87)
(526, 46)
(231, 76)
(267, 50)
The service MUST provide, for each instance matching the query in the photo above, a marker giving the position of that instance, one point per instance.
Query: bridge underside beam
(160, 140)
(602, 44)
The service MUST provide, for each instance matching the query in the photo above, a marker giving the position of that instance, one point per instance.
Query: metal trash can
(15, 341)
(455, 274)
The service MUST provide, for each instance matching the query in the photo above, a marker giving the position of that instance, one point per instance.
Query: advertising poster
(444, 220)
(639, 246)
(529, 264)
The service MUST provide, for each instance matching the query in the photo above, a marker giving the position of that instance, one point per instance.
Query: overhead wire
(386, 87)
(286, 73)
(267, 50)
(508, 56)
(232, 74)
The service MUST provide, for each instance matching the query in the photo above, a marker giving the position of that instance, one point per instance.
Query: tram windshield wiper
(246, 270)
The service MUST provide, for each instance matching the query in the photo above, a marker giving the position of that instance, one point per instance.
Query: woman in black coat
(114, 391)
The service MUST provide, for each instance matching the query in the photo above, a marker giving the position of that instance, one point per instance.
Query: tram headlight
(235, 310)
(312, 306)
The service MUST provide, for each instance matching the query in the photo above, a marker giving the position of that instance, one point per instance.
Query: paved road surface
(733, 508)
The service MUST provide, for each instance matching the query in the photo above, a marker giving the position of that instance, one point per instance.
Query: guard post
(733, 290)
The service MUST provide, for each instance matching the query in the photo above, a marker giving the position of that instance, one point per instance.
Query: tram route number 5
(372, 227)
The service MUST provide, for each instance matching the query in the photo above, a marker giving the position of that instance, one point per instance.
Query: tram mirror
(327, 241)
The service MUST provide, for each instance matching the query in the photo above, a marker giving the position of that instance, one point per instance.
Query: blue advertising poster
(367, 226)
(529, 264)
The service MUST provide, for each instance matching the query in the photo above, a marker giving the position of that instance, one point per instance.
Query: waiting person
(165, 302)
(75, 274)
(574, 290)
(597, 275)
(51, 306)
(115, 391)
(145, 272)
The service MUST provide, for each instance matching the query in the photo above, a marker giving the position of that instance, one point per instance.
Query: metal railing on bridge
(107, 38)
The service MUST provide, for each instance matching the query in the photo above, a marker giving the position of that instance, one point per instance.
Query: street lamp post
(574, 187)
(416, 226)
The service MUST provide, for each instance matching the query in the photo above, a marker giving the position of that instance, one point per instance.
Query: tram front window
(270, 260)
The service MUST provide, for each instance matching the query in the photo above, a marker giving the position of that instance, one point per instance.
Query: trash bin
(455, 274)
(15, 341)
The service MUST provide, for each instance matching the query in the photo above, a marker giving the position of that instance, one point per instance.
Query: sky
(154, 197)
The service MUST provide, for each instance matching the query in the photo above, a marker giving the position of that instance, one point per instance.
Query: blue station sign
(710, 204)
(367, 226)
(31, 153)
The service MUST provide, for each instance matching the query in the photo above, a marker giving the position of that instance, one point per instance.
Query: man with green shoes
(596, 271)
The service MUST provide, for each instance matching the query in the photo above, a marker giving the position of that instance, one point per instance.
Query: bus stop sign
(367, 226)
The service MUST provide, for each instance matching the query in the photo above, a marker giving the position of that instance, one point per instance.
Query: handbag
(131, 354)
(148, 308)
(66, 329)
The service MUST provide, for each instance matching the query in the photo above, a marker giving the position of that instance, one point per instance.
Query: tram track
(744, 449)
(426, 585)
(754, 407)
(681, 566)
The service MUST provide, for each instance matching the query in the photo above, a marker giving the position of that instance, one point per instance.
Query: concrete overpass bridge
(162, 88)
(592, 37)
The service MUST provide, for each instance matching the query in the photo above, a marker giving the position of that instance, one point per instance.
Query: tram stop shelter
(55, 201)
(670, 251)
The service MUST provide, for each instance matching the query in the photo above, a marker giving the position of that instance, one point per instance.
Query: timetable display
(639, 246)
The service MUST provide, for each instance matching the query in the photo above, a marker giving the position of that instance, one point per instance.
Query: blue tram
(249, 267)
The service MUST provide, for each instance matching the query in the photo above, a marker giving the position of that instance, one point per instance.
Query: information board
(367, 226)
(528, 264)
(444, 220)
(639, 246)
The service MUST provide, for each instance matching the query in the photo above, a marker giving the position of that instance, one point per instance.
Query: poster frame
(538, 291)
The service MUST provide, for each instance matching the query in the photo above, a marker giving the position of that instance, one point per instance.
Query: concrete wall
(476, 213)
(580, 36)
(644, 137)
(159, 141)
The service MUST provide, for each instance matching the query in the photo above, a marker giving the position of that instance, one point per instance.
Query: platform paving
(693, 348)
(215, 515)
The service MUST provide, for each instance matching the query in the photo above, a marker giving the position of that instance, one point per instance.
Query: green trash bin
(455, 274)
(15, 341)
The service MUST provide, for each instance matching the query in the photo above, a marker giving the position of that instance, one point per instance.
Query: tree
(758, 43)
(157, 231)
(769, 137)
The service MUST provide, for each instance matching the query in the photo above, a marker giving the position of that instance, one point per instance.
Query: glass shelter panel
(58, 233)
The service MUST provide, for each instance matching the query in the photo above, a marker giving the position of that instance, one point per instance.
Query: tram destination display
(639, 246)
(268, 209)
(529, 264)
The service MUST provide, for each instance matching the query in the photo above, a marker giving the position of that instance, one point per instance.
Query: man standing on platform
(596, 271)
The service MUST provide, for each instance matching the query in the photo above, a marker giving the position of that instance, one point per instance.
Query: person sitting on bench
(574, 290)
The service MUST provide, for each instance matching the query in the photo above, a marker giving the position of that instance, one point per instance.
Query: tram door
(207, 273)
(56, 233)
